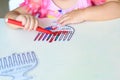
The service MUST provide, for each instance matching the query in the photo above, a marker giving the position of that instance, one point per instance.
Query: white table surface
(93, 53)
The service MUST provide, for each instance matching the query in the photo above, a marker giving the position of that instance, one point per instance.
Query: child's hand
(75, 16)
(29, 22)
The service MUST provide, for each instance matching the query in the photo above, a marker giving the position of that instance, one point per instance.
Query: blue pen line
(48, 28)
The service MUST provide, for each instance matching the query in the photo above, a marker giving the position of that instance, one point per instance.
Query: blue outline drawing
(18, 65)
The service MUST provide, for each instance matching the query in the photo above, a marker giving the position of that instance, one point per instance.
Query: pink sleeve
(36, 7)
(31, 6)
(98, 2)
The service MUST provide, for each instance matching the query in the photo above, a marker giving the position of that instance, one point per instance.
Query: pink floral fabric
(53, 11)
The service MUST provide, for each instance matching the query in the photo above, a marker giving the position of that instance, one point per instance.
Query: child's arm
(106, 11)
(21, 14)
(13, 15)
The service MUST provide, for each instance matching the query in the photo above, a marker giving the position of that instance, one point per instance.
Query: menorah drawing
(18, 65)
(59, 34)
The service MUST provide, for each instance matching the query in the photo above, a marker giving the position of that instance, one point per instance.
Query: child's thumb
(21, 18)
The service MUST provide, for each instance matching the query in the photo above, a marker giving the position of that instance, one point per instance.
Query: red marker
(39, 29)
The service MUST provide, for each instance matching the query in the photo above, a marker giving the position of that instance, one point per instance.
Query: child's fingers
(63, 20)
(36, 23)
(66, 22)
(72, 21)
(32, 23)
(28, 22)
